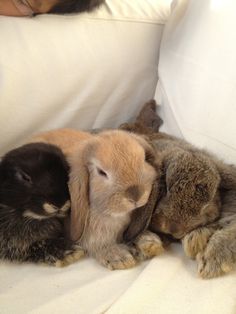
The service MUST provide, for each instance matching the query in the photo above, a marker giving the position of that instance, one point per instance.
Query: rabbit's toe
(123, 263)
(149, 245)
(70, 257)
(118, 258)
(215, 261)
(196, 241)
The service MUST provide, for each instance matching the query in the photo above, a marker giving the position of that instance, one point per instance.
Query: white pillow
(84, 71)
(197, 73)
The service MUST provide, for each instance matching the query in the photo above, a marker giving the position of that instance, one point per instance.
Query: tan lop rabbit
(112, 173)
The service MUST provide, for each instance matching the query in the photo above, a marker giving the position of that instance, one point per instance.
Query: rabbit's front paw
(218, 258)
(117, 257)
(70, 256)
(196, 241)
(148, 245)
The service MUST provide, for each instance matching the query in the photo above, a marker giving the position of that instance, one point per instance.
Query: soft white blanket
(165, 285)
(169, 284)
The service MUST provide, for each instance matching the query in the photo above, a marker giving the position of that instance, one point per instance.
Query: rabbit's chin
(126, 210)
(49, 211)
(121, 214)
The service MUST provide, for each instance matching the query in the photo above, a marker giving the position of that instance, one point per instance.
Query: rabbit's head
(112, 173)
(33, 181)
(190, 194)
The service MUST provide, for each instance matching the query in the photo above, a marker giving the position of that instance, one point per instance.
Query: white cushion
(83, 71)
(197, 75)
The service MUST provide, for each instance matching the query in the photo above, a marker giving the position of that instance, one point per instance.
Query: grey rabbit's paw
(117, 257)
(148, 245)
(196, 241)
(218, 258)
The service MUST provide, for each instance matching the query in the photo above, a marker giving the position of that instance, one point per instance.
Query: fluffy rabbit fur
(112, 173)
(199, 195)
(34, 200)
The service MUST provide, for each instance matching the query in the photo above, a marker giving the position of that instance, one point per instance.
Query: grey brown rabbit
(34, 202)
(189, 183)
(198, 204)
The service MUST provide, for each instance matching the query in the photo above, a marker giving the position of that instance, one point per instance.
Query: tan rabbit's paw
(196, 241)
(214, 261)
(149, 245)
(70, 257)
(118, 258)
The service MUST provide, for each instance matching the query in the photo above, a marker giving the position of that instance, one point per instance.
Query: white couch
(96, 70)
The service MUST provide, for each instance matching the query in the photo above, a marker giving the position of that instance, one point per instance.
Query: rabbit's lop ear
(148, 116)
(151, 156)
(141, 217)
(79, 193)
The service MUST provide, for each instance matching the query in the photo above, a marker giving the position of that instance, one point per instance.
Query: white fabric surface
(82, 71)
(81, 288)
(197, 73)
(169, 285)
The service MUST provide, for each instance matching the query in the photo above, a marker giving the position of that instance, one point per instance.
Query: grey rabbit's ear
(141, 217)
(79, 193)
(147, 122)
(148, 116)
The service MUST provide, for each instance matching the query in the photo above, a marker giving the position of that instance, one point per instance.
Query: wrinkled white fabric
(169, 284)
(83, 71)
(197, 73)
(84, 288)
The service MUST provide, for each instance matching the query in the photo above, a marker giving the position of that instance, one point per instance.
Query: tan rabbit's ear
(151, 155)
(79, 193)
(141, 217)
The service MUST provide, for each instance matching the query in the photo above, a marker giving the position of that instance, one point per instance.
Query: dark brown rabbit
(34, 201)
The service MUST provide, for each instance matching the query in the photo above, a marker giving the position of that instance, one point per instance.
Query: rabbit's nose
(133, 192)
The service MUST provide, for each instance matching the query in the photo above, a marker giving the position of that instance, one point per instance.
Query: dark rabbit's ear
(148, 116)
(141, 217)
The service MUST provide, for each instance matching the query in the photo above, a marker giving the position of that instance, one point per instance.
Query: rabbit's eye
(23, 177)
(102, 172)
